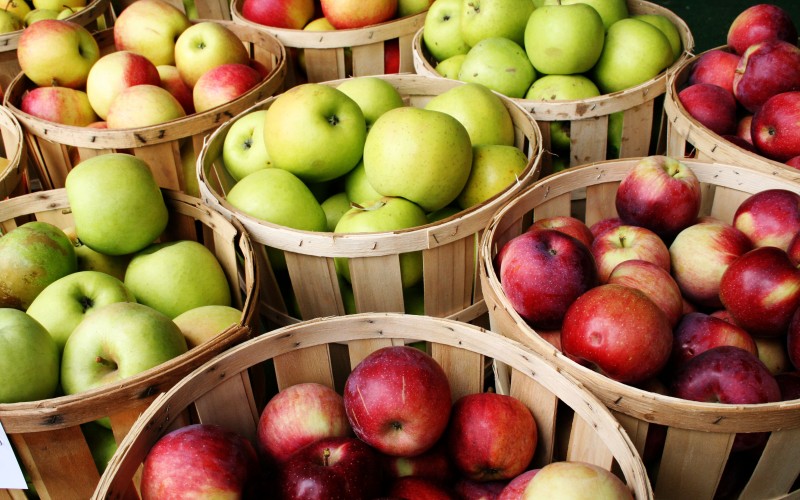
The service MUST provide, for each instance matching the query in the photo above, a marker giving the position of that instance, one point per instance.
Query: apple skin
(482, 20)
(794, 250)
(199, 460)
(628, 242)
(243, 150)
(172, 82)
(353, 14)
(773, 129)
(59, 105)
(760, 23)
(789, 383)
(222, 84)
(289, 14)
(743, 128)
(334, 467)
(698, 332)
(113, 73)
(495, 168)
(206, 45)
(404, 426)
(769, 218)
(711, 105)
(142, 106)
(373, 95)
(602, 225)
(653, 281)
(661, 194)
(441, 32)
(56, 52)
(299, 415)
(418, 488)
(620, 330)
(542, 272)
(471, 489)
(150, 28)
(766, 69)
(514, 488)
(434, 464)
(91, 260)
(571, 479)
(203, 323)
(29, 360)
(793, 340)
(716, 67)
(567, 225)
(761, 290)
(772, 351)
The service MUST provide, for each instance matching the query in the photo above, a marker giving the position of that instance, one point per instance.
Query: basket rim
(320, 331)
(621, 397)
(16, 156)
(431, 235)
(93, 10)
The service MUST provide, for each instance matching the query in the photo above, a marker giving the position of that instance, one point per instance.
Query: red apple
(761, 290)
(716, 67)
(290, 14)
(542, 272)
(336, 467)
(793, 340)
(491, 437)
(766, 69)
(391, 56)
(115, 72)
(698, 332)
(743, 128)
(711, 105)
(172, 81)
(469, 489)
(348, 14)
(794, 162)
(774, 128)
(199, 460)
(627, 242)
(620, 330)
(700, 254)
(222, 84)
(398, 400)
(603, 225)
(738, 141)
(433, 464)
(789, 383)
(760, 23)
(769, 218)
(553, 337)
(567, 224)
(794, 249)
(418, 488)
(59, 105)
(513, 490)
(653, 281)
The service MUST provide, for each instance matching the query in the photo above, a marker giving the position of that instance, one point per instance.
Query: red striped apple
(222, 84)
(713, 106)
(760, 23)
(350, 14)
(653, 281)
(59, 105)
(774, 127)
(716, 67)
(113, 73)
(568, 225)
(628, 242)
(206, 45)
(698, 332)
(289, 14)
(766, 69)
(150, 28)
(769, 218)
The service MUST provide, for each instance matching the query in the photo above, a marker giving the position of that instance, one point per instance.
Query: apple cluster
(748, 92)
(164, 67)
(18, 14)
(665, 299)
(394, 432)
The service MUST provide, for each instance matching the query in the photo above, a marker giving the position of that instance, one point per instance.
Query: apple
(698, 332)
(620, 330)
(150, 28)
(422, 155)
(222, 84)
(142, 106)
(495, 19)
(470, 489)
(203, 323)
(567, 225)
(773, 131)
(562, 88)
(411, 7)
(572, 479)
(604, 224)
(772, 351)
(92, 260)
(794, 162)
(491, 437)
(206, 45)
(172, 82)
(374, 96)
(434, 464)
(243, 149)
(299, 415)
(115, 342)
(716, 67)
(10, 22)
(65, 302)
(700, 254)
(759, 23)
(789, 383)
(29, 360)
(101, 443)
(743, 128)
(59, 105)
(334, 467)
(514, 488)
(68, 11)
(32, 256)
(711, 105)
(289, 14)
(739, 142)
(31, 17)
(113, 73)
(769, 218)
(116, 205)
(766, 69)
(352, 14)
(450, 67)
(628, 242)
(668, 28)
(633, 53)
(17, 7)
(199, 460)
(564, 39)
(357, 187)
(542, 272)
(441, 32)
(661, 194)
(404, 426)
(56, 52)
(418, 488)
(499, 64)
(653, 281)
(57, 4)
(495, 168)
(761, 291)
(315, 131)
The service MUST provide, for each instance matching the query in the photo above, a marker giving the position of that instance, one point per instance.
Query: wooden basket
(13, 177)
(57, 148)
(686, 136)
(332, 55)
(699, 435)
(642, 128)
(194, 9)
(218, 392)
(449, 246)
(46, 434)
(97, 15)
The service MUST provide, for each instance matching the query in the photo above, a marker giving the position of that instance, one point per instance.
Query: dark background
(709, 20)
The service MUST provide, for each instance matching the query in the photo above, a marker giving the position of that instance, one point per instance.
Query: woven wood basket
(449, 246)
(46, 434)
(332, 55)
(686, 136)
(699, 435)
(97, 15)
(56, 148)
(642, 128)
(13, 177)
(218, 392)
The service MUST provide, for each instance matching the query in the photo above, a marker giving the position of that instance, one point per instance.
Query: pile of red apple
(393, 433)
(749, 91)
(700, 308)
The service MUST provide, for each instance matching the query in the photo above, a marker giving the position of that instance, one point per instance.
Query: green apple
(19, 8)
(32, 256)
(610, 11)
(116, 342)
(204, 46)
(66, 301)
(335, 206)
(243, 150)
(615, 134)
(373, 95)
(92, 260)
(421, 155)
(68, 11)
(175, 276)
(385, 214)
(348, 297)
(500, 64)
(57, 52)
(634, 52)
(668, 28)
(481, 19)
(357, 187)
(564, 39)
(58, 4)
(450, 67)
(443, 213)
(142, 106)
(441, 33)
(101, 443)
(150, 28)
(29, 361)
(411, 7)
(414, 300)
(10, 22)
(116, 204)
(480, 110)
(495, 167)
(559, 136)
(36, 15)
(206, 322)
(559, 163)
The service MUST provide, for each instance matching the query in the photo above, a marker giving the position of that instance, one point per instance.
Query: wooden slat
(692, 464)
(636, 429)
(324, 64)
(600, 202)
(778, 467)
(586, 445)
(164, 160)
(588, 140)
(377, 283)
(555, 206)
(543, 404)
(315, 285)
(726, 201)
(312, 364)
(368, 59)
(636, 121)
(449, 272)
(213, 407)
(464, 369)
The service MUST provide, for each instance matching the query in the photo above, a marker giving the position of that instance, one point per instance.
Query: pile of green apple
(18, 14)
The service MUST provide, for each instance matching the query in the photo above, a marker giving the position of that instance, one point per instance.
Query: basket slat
(779, 463)
(585, 445)
(685, 453)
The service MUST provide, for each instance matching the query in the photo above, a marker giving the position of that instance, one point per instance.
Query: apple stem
(333, 120)
(103, 361)
(86, 303)
(326, 457)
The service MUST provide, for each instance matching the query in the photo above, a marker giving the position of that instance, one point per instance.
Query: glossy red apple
(290, 14)
(566, 224)
(602, 225)
(766, 69)
(794, 162)
(418, 488)
(469, 489)
(743, 128)
(172, 81)
(794, 249)
(698, 332)
(769, 218)
(620, 330)
(513, 490)
(759, 23)
(433, 464)
(774, 128)
(716, 67)
(655, 282)
(714, 107)
(628, 242)
(553, 337)
(223, 84)
(391, 56)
